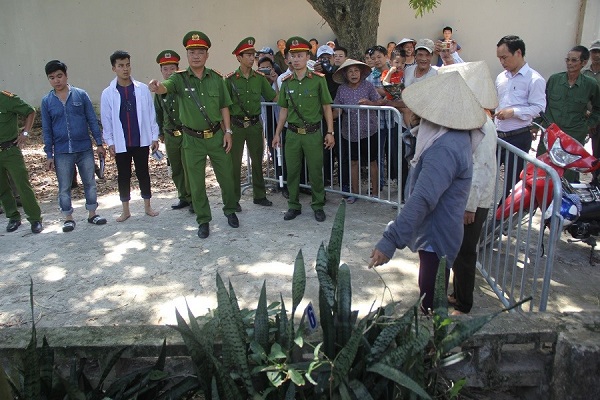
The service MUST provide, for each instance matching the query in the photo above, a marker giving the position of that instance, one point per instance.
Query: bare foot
(151, 212)
(123, 217)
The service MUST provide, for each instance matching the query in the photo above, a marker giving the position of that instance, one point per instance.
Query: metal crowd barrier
(337, 166)
(515, 255)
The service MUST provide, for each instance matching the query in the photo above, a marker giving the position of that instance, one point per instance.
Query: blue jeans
(65, 168)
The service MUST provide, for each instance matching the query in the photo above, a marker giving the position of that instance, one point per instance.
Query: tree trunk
(354, 22)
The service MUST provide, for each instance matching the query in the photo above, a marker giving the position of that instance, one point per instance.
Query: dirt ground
(139, 271)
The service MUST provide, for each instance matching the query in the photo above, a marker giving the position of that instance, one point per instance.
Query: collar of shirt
(564, 79)
(524, 71)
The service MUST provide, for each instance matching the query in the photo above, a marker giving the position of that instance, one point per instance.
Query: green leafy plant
(40, 378)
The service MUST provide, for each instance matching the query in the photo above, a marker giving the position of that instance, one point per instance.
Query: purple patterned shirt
(357, 125)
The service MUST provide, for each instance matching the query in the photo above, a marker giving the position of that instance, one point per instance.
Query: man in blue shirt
(67, 118)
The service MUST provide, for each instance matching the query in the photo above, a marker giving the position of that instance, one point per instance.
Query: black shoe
(233, 220)
(291, 214)
(320, 215)
(37, 227)
(180, 205)
(13, 224)
(285, 193)
(263, 202)
(238, 208)
(203, 230)
(192, 208)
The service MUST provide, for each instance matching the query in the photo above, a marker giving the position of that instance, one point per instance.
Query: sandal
(351, 200)
(452, 300)
(68, 225)
(97, 220)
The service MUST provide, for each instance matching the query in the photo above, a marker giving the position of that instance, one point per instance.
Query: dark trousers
(523, 142)
(330, 156)
(428, 268)
(139, 155)
(595, 150)
(464, 265)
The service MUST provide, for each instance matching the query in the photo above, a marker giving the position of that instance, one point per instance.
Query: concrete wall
(84, 33)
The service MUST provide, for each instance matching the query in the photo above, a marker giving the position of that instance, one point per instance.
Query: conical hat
(339, 77)
(478, 78)
(445, 100)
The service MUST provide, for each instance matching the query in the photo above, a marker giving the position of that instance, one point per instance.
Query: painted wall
(84, 33)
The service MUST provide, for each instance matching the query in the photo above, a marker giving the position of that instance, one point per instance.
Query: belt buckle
(246, 123)
(246, 119)
(207, 134)
(302, 131)
(177, 133)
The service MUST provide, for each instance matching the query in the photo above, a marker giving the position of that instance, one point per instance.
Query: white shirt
(110, 104)
(484, 170)
(525, 92)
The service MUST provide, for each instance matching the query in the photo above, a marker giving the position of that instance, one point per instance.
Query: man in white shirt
(521, 96)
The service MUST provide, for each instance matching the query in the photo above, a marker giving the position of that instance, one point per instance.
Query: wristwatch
(228, 131)
(25, 133)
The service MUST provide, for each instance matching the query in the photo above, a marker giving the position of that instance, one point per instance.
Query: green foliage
(41, 379)
(422, 6)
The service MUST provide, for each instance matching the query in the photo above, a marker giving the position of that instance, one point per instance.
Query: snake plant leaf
(334, 248)
(389, 334)
(359, 390)
(72, 392)
(440, 301)
(344, 392)
(344, 359)
(285, 326)
(215, 390)
(187, 385)
(344, 305)
(397, 357)
(46, 362)
(237, 313)
(298, 282)
(327, 326)
(464, 330)
(5, 392)
(326, 284)
(31, 376)
(399, 377)
(261, 319)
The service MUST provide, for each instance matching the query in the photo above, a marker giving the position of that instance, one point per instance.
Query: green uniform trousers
(253, 137)
(196, 150)
(13, 164)
(309, 146)
(176, 161)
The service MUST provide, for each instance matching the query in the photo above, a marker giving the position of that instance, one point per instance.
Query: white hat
(339, 75)
(406, 40)
(324, 50)
(477, 76)
(595, 45)
(454, 105)
(426, 44)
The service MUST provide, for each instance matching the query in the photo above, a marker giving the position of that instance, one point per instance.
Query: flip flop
(97, 220)
(68, 226)
(351, 200)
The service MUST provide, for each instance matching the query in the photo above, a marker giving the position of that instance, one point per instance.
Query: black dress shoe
(263, 202)
(180, 205)
(203, 230)
(13, 224)
(238, 208)
(291, 214)
(37, 227)
(233, 221)
(285, 193)
(320, 215)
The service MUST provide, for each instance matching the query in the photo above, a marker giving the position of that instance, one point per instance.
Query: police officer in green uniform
(167, 117)
(304, 100)
(13, 164)
(204, 112)
(246, 87)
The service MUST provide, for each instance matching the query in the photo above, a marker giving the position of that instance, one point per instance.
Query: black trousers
(139, 155)
(465, 263)
(428, 268)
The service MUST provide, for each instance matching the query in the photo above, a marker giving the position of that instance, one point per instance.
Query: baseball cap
(595, 45)
(324, 50)
(426, 44)
(266, 50)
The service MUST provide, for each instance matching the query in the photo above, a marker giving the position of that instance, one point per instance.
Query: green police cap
(167, 57)
(297, 44)
(196, 39)
(244, 45)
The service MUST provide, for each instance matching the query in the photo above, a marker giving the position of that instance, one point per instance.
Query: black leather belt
(175, 132)
(7, 145)
(503, 135)
(303, 130)
(245, 122)
(205, 134)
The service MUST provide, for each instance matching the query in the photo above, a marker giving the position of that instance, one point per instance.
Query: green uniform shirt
(566, 106)
(211, 90)
(167, 113)
(591, 74)
(11, 106)
(309, 95)
(248, 92)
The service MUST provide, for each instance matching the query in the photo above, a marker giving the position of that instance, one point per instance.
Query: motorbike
(580, 202)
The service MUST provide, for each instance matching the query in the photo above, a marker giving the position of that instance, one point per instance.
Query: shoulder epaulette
(7, 93)
(319, 74)
(259, 73)
(287, 77)
(230, 74)
(218, 73)
(181, 71)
